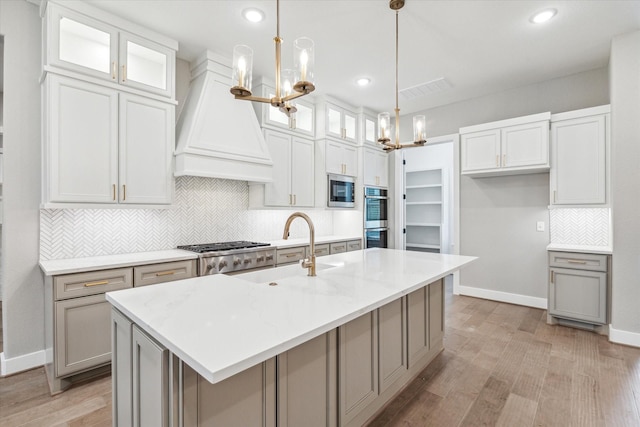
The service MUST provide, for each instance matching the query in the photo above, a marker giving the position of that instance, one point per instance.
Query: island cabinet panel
(150, 381)
(245, 399)
(307, 383)
(417, 325)
(358, 365)
(436, 314)
(392, 353)
(121, 369)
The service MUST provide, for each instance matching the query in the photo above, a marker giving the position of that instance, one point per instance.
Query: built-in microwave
(340, 191)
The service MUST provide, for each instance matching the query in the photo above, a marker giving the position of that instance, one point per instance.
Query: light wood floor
(502, 366)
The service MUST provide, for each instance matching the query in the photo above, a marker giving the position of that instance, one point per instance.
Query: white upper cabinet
(301, 122)
(341, 159)
(369, 129)
(88, 45)
(579, 142)
(376, 167)
(106, 147)
(81, 150)
(145, 147)
(514, 146)
(337, 120)
(293, 171)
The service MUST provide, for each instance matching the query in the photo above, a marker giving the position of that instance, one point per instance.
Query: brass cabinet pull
(166, 273)
(290, 199)
(114, 191)
(551, 278)
(294, 199)
(292, 254)
(554, 196)
(124, 73)
(124, 192)
(576, 261)
(101, 282)
(114, 70)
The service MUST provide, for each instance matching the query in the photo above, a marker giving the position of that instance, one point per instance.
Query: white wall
(625, 171)
(498, 215)
(22, 300)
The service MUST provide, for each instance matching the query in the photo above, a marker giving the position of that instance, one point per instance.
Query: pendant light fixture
(290, 84)
(384, 119)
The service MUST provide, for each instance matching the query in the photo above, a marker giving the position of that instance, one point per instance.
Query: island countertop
(221, 325)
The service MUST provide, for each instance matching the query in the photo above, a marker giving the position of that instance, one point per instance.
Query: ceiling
(480, 47)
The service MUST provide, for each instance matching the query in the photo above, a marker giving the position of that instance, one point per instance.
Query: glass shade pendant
(384, 119)
(298, 83)
(242, 69)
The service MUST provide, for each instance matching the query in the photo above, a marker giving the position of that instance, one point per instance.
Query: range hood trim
(218, 136)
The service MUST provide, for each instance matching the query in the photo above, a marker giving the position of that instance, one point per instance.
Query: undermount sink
(292, 270)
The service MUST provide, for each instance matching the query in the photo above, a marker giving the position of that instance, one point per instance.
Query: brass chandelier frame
(301, 88)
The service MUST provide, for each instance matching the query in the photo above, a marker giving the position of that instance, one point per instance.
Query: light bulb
(242, 70)
(304, 58)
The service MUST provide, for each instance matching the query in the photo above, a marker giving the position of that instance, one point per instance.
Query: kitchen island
(276, 347)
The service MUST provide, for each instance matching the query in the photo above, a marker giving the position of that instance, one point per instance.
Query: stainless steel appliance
(340, 191)
(376, 237)
(376, 210)
(232, 257)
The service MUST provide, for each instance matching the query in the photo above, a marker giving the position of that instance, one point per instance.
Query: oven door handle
(376, 197)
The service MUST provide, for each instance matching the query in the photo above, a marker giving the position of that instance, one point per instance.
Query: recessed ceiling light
(253, 14)
(543, 16)
(363, 81)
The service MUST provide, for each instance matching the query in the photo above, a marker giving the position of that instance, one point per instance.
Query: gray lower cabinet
(578, 287)
(82, 334)
(77, 316)
(354, 245)
(358, 366)
(290, 255)
(307, 384)
(338, 247)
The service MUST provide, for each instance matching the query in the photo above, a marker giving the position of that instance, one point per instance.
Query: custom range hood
(218, 136)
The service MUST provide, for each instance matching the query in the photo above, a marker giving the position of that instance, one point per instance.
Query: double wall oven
(376, 209)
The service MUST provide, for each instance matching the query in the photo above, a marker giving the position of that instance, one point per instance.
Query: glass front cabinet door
(85, 45)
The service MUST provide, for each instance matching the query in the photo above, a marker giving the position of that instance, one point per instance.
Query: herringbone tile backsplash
(206, 210)
(590, 227)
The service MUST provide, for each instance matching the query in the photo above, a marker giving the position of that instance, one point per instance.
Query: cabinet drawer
(321, 250)
(338, 247)
(354, 245)
(165, 272)
(578, 261)
(92, 283)
(578, 294)
(290, 255)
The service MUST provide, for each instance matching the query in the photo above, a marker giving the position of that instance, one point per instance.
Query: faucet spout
(310, 262)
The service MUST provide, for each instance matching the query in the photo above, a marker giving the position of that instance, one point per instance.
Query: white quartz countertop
(78, 265)
(563, 247)
(221, 325)
(289, 243)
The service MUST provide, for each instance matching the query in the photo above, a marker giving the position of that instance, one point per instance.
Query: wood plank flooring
(502, 366)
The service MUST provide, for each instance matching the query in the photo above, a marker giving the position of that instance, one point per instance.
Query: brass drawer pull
(576, 261)
(293, 254)
(113, 70)
(165, 273)
(101, 282)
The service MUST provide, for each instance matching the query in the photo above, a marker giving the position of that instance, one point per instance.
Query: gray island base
(330, 350)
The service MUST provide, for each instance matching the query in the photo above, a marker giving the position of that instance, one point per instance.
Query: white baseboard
(21, 363)
(624, 337)
(503, 297)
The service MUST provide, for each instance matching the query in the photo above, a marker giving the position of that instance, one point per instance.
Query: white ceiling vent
(437, 85)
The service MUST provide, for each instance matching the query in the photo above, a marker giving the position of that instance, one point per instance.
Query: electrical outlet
(540, 226)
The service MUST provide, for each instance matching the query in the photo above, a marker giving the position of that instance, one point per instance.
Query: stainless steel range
(232, 257)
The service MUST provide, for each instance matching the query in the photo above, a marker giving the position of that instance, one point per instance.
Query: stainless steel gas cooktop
(232, 257)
